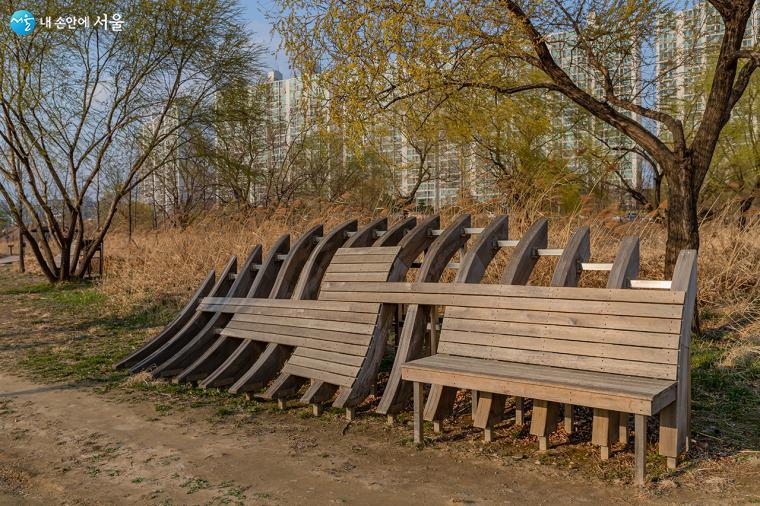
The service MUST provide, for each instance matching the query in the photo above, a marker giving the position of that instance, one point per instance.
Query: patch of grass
(726, 400)
(195, 484)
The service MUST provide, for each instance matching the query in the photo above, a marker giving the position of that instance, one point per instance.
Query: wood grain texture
(184, 357)
(184, 316)
(410, 344)
(193, 326)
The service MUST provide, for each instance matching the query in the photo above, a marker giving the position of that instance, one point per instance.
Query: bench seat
(632, 394)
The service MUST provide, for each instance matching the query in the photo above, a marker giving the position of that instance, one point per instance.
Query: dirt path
(71, 445)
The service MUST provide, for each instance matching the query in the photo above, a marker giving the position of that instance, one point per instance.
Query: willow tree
(384, 51)
(92, 106)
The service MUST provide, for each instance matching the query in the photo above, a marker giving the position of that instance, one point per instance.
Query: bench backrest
(618, 331)
(373, 263)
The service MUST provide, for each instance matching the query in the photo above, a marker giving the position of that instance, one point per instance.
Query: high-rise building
(579, 131)
(686, 41)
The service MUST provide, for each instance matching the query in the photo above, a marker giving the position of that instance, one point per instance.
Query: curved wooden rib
(608, 426)
(175, 326)
(440, 400)
(368, 234)
(412, 240)
(272, 358)
(201, 340)
(225, 347)
(567, 273)
(524, 258)
(412, 336)
(196, 323)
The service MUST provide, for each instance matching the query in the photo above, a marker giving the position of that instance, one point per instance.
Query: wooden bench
(335, 345)
(610, 349)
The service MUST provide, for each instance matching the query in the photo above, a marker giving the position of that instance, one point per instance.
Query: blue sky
(255, 12)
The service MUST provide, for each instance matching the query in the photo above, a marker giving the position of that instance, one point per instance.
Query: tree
(388, 51)
(74, 102)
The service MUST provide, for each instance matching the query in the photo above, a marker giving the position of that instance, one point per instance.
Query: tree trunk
(683, 225)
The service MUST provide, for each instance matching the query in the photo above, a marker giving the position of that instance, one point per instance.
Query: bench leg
(316, 409)
(519, 413)
(604, 430)
(490, 411)
(568, 418)
(669, 434)
(641, 448)
(419, 406)
(475, 397)
(281, 403)
(623, 428)
(544, 420)
(437, 426)
(350, 414)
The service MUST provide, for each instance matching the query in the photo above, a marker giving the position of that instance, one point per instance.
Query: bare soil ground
(72, 431)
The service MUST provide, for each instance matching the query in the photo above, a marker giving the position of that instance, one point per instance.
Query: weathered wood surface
(220, 365)
(199, 319)
(271, 360)
(411, 340)
(610, 377)
(195, 347)
(331, 374)
(440, 400)
(175, 326)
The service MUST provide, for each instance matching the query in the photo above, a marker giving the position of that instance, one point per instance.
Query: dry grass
(168, 264)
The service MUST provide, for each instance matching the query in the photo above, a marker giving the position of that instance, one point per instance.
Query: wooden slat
(537, 389)
(323, 365)
(356, 276)
(359, 307)
(355, 328)
(539, 292)
(327, 335)
(363, 267)
(329, 356)
(363, 259)
(653, 355)
(327, 377)
(613, 366)
(619, 322)
(595, 335)
(655, 284)
(316, 314)
(288, 340)
(555, 375)
(369, 250)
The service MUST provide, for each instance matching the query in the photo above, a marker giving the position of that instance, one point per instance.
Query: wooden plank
(330, 356)
(612, 322)
(476, 304)
(380, 258)
(306, 333)
(605, 382)
(641, 448)
(525, 388)
(655, 284)
(323, 365)
(358, 307)
(356, 276)
(363, 267)
(594, 335)
(396, 233)
(614, 366)
(522, 261)
(354, 328)
(369, 251)
(315, 314)
(537, 292)
(617, 351)
(316, 374)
